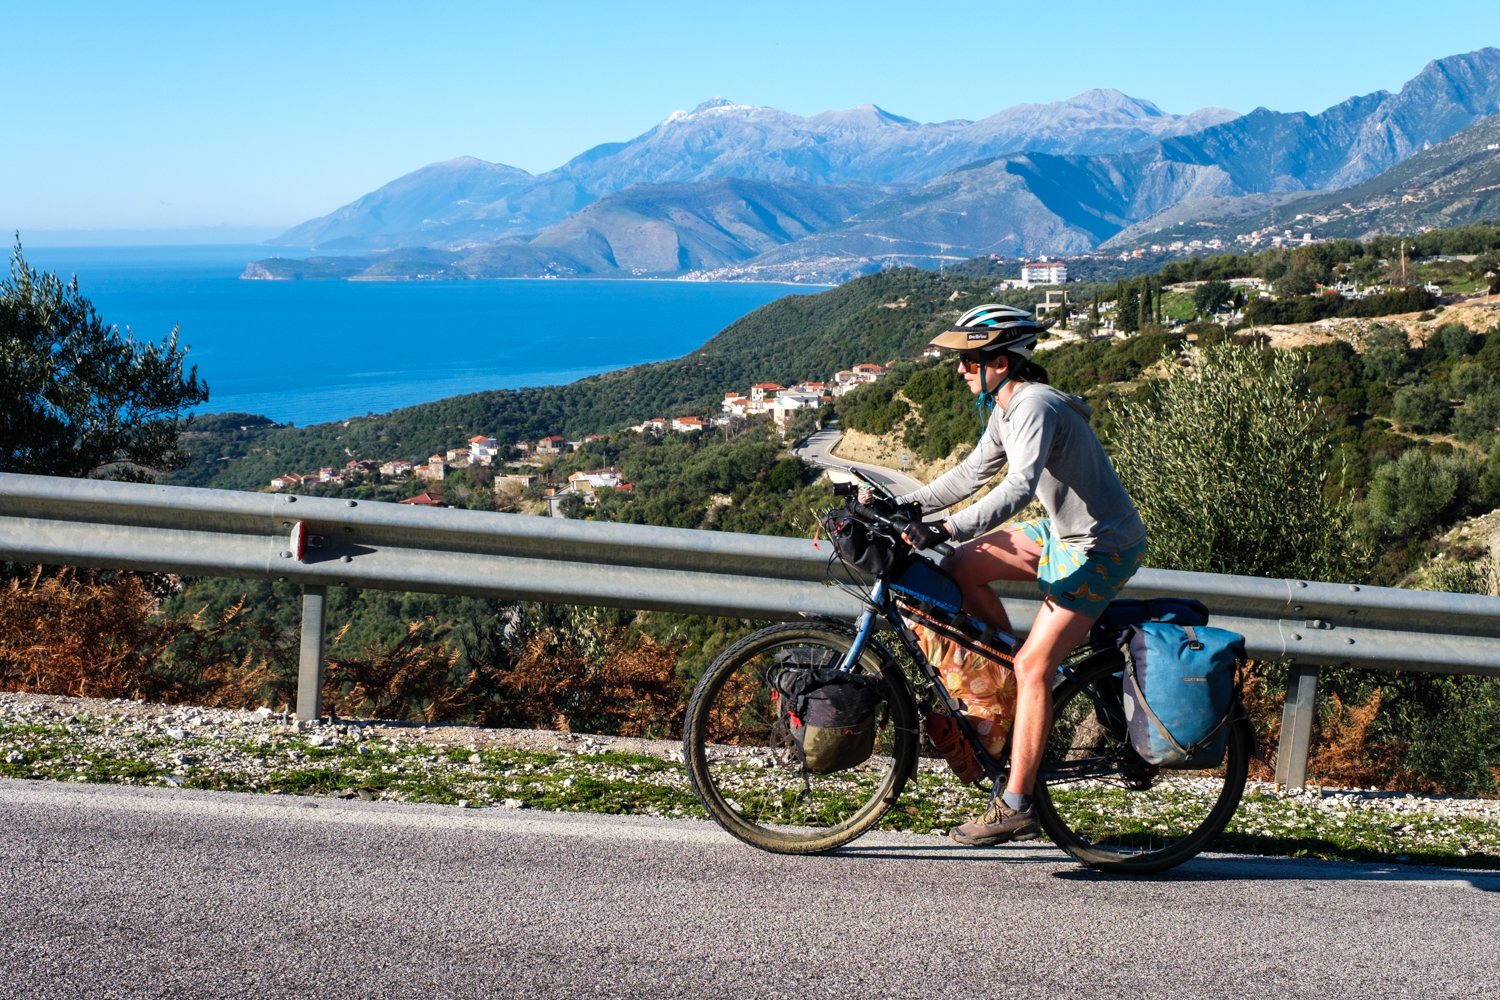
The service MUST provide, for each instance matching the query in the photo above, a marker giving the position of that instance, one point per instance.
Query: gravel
(134, 743)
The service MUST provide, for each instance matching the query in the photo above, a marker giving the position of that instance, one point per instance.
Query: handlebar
(896, 524)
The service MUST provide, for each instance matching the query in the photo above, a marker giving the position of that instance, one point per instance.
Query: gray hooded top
(1054, 456)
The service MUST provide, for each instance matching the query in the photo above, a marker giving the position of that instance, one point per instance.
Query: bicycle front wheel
(741, 760)
(1103, 804)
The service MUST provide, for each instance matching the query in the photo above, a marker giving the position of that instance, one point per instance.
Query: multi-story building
(1044, 272)
(483, 450)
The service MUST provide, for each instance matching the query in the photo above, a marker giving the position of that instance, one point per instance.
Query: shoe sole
(1004, 838)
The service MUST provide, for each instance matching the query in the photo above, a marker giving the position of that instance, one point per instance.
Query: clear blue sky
(162, 115)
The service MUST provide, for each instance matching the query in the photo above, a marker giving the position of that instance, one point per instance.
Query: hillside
(796, 338)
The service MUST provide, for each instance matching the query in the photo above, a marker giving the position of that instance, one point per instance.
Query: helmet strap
(986, 395)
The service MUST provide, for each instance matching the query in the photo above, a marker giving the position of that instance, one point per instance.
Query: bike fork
(865, 628)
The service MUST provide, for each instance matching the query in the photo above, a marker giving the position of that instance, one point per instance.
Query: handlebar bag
(1179, 692)
(863, 548)
(831, 715)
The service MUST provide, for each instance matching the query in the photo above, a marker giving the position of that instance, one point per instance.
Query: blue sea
(313, 351)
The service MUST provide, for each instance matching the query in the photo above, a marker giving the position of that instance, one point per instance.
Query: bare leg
(1003, 555)
(1055, 633)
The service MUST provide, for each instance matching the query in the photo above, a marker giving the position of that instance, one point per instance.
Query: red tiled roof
(423, 500)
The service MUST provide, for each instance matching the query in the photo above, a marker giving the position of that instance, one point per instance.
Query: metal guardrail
(320, 542)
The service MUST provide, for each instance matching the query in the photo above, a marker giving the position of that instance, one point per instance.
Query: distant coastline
(292, 269)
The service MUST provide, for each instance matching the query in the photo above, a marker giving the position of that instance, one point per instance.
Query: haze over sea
(312, 351)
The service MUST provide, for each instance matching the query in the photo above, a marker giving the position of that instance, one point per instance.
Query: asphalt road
(128, 892)
(818, 449)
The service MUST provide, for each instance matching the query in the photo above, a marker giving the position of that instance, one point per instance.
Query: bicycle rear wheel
(1104, 805)
(741, 761)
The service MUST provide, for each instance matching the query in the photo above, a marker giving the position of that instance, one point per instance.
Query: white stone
(177, 734)
(14, 757)
(263, 713)
(317, 740)
(463, 803)
(474, 758)
(512, 803)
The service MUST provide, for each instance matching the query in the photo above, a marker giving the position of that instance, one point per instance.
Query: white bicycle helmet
(992, 328)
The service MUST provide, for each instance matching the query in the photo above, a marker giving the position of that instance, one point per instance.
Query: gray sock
(1016, 801)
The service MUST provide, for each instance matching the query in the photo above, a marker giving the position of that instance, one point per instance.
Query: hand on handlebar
(926, 534)
(867, 495)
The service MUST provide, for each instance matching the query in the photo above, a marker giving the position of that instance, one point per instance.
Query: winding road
(136, 892)
(818, 450)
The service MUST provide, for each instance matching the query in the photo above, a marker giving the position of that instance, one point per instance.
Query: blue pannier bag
(926, 584)
(1179, 692)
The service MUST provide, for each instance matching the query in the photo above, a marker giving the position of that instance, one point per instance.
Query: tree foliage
(1227, 464)
(78, 398)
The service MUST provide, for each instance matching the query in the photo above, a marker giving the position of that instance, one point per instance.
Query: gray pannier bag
(830, 715)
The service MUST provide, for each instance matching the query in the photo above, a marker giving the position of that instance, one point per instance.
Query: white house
(1044, 272)
(788, 402)
(683, 425)
(396, 468)
(483, 450)
(598, 479)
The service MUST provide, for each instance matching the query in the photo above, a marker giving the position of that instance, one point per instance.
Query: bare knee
(1031, 670)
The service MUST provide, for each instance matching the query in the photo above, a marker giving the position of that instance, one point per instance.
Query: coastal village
(766, 400)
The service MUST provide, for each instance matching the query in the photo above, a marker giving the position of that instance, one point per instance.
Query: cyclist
(1081, 554)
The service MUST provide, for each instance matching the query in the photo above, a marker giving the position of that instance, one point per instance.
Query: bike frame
(880, 604)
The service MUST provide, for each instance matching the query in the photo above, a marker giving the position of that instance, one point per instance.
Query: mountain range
(1455, 183)
(729, 190)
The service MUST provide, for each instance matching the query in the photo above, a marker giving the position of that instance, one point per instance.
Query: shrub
(1386, 364)
(97, 637)
(1227, 461)
(1456, 339)
(1467, 378)
(1479, 415)
(1418, 492)
(1422, 407)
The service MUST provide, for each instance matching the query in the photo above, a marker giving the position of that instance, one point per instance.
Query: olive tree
(1227, 460)
(76, 397)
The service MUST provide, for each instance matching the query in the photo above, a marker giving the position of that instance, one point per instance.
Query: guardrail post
(1296, 725)
(310, 666)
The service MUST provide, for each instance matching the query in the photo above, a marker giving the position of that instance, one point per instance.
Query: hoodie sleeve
(1031, 435)
(961, 481)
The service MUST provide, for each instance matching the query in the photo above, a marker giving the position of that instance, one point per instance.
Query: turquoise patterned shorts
(1080, 581)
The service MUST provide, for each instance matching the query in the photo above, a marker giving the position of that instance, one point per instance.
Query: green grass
(253, 759)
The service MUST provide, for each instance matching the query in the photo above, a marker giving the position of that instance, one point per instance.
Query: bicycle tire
(711, 767)
(1121, 842)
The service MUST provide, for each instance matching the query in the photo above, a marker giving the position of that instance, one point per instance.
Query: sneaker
(1000, 824)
